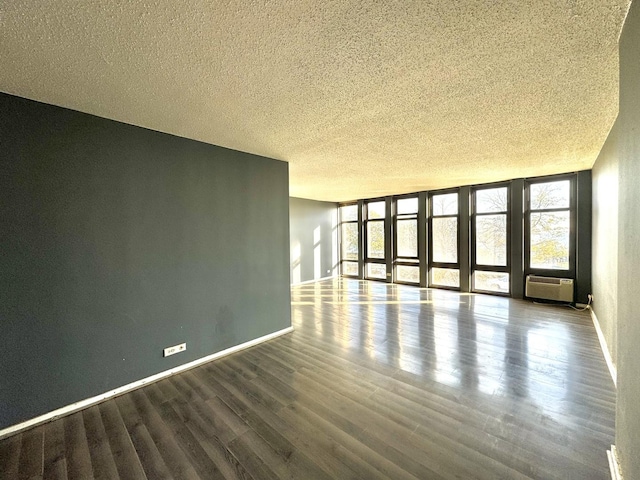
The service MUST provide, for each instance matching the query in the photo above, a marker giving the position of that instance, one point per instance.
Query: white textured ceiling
(362, 98)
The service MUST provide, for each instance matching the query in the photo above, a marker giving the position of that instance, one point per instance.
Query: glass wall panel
(406, 273)
(375, 239)
(375, 210)
(350, 268)
(445, 239)
(490, 200)
(349, 241)
(491, 240)
(445, 204)
(377, 270)
(550, 237)
(446, 277)
(550, 195)
(349, 213)
(407, 205)
(491, 281)
(407, 238)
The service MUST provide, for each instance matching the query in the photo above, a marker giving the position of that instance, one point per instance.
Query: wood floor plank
(284, 454)
(229, 465)
(104, 467)
(76, 448)
(124, 453)
(148, 455)
(251, 462)
(32, 454)
(55, 463)
(216, 416)
(173, 456)
(198, 456)
(10, 456)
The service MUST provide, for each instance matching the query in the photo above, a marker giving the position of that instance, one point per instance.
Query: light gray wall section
(118, 241)
(313, 255)
(605, 240)
(628, 404)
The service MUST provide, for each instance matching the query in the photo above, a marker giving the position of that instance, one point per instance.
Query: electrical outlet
(175, 349)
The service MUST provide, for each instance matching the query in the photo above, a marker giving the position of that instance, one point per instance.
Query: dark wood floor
(377, 382)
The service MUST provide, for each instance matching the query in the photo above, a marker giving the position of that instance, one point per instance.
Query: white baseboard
(314, 281)
(74, 407)
(614, 465)
(605, 349)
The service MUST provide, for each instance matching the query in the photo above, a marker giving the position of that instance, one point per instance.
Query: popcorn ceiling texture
(362, 98)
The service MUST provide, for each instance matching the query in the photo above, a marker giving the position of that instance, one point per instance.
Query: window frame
(475, 267)
(410, 261)
(445, 265)
(572, 209)
(357, 223)
(365, 229)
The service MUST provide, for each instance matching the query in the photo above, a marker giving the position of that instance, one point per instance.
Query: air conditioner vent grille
(549, 288)
(538, 279)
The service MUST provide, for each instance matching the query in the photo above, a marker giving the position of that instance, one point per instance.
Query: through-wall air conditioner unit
(549, 288)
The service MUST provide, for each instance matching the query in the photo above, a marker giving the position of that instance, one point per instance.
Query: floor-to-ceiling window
(349, 240)
(485, 238)
(375, 263)
(405, 261)
(444, 239)
(490, 239)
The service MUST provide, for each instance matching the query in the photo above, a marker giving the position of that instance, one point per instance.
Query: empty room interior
(319, 240)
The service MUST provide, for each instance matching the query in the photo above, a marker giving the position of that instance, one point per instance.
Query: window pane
(491, 240)
(375, 239)
(349, 241)
(376, 270)
(445, 239)
(491, 281)
(407, 232)
(447, 277)
(550, 240)
(350, 268)
(407, 205)
(349, 213)
(375, 210)
(550, 195)
(491, 200)
(446, 204)
(405, 273)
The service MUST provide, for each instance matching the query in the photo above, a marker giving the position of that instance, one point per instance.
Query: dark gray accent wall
(313, 238)
(423, 253)
(388, 236)
(583, 237)
(516, 223)
(628, 405)
(605, 240)
(464, 200)
(118, 241)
